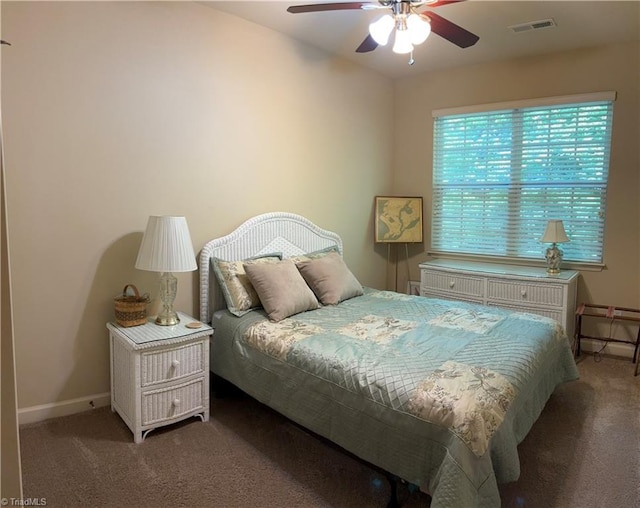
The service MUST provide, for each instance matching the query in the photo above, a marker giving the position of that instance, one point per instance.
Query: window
(501, 172)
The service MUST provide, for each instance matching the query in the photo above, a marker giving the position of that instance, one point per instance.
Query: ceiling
(580, 24)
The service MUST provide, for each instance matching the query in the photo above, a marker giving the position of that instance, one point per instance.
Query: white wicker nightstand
(159, 374)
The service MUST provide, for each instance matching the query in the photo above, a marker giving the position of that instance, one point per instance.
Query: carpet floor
(584, 451)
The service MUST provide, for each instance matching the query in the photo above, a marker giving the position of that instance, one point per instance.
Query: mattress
(437, 392)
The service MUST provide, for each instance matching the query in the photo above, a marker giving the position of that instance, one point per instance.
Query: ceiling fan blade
(450, 31)
(368, 44)
(438, 3)
(341, 6)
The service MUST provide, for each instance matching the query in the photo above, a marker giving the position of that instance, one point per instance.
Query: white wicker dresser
(522, 288)
(159, 374)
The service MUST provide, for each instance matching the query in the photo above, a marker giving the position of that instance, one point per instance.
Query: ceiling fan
(411, 27)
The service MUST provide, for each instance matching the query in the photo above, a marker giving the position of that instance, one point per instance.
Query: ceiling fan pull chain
(411, 60)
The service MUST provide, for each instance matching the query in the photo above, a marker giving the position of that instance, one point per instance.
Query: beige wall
(117, 111)
(606, 68)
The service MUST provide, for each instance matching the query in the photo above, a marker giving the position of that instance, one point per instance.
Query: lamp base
(168, 289)
(553, 256)
(167, 319)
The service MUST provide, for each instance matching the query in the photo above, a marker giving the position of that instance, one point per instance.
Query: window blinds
(499, 175)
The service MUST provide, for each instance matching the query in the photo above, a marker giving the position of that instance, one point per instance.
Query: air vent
(533, 25)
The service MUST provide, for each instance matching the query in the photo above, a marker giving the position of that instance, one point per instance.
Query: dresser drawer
(172, 363)
(452, 283)
(550, 313)
(426, 292)
(514, 291)
(173, 402)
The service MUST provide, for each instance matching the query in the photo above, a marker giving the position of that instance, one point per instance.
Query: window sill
(567, 265)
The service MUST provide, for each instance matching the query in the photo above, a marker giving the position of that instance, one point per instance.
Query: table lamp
(554, 234)
(166, 247)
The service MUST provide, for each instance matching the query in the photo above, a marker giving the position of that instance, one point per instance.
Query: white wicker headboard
(283, 232)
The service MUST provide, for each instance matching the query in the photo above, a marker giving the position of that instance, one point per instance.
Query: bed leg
(393, 498)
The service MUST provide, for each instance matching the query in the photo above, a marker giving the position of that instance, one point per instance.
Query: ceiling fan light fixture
(419, 28)
(381, 29)
(402, 44)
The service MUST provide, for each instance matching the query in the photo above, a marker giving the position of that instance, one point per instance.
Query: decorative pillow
(236, 288)
(330, 278)
(282, 290)
(315, 254)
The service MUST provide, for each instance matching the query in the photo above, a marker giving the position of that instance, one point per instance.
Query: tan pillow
(281, 289)
(330, 279)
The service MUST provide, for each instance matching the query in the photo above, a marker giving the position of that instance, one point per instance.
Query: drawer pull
(175, 363)
(523, 293)
(176, 402)
(451, 284)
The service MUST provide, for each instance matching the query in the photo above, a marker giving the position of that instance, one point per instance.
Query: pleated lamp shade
(554, 233)
(166, 246)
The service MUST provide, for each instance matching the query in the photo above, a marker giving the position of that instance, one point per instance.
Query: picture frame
(398, 219)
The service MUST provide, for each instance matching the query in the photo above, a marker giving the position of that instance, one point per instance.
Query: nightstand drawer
(173, 402)
(452, 283)
(172, 363)
(513, 291)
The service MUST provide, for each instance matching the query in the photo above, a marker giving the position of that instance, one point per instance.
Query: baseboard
(613, 348)
(66, 407)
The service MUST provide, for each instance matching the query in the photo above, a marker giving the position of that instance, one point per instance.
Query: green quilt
(437, 392)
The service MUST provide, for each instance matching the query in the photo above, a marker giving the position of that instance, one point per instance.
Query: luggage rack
(613, 314)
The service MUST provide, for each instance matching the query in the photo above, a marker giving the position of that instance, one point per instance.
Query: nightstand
(159, 374)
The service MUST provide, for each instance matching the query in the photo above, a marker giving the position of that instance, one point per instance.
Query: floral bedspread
(456, 365)
(437, 392)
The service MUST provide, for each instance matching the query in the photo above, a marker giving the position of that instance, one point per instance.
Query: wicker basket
(131, 310)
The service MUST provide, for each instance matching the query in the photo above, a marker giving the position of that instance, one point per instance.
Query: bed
(438, 393)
